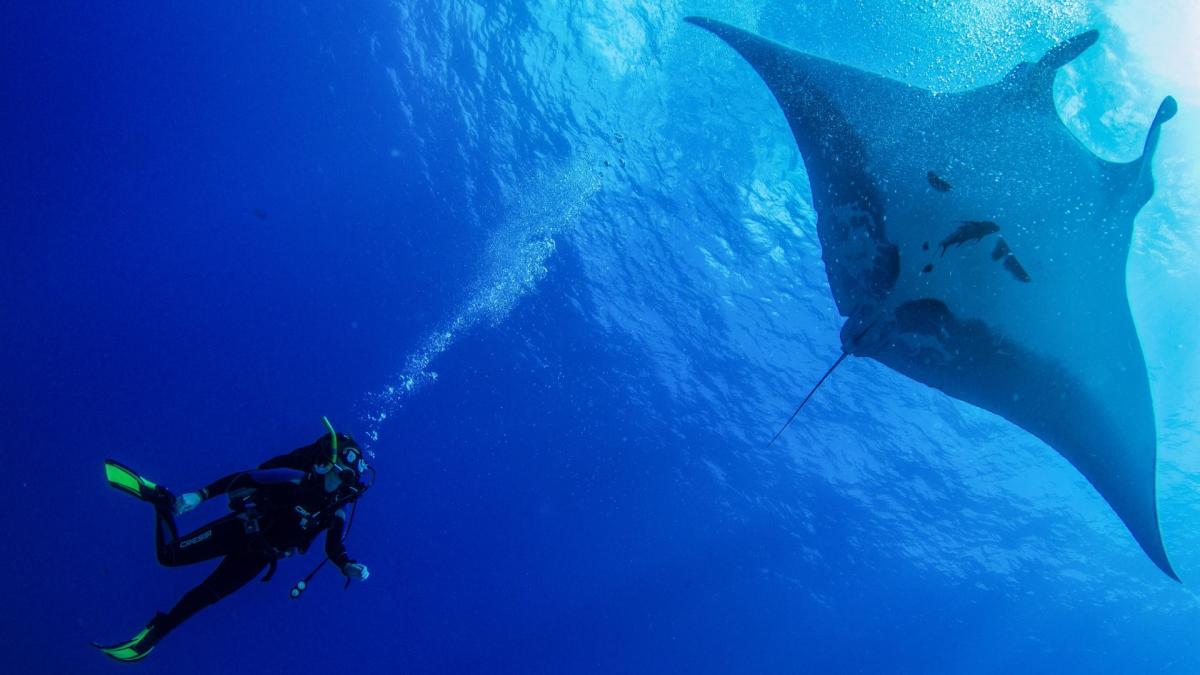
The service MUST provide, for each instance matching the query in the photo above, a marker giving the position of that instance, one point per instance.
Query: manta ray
(976, 246)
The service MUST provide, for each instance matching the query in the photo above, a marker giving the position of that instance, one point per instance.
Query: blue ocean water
(557, 261)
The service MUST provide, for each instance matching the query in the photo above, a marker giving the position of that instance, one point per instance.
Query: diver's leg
(221, 537)
(235, 571)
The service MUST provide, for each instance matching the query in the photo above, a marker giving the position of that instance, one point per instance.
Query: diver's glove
(355, 570)
(187, 501)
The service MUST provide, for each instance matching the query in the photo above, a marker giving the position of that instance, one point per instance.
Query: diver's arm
(254, 478)
(190, 500)
(243, 479)
(335, 548)
(220, 486)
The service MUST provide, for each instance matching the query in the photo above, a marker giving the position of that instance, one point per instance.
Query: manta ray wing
(1008, 291)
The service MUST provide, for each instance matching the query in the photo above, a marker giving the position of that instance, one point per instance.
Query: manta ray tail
(806, 398)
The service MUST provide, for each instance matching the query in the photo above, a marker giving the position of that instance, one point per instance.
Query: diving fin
(127, 480)
(137, 647)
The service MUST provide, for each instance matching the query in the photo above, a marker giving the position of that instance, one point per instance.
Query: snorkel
(333, 441)
(351, 470)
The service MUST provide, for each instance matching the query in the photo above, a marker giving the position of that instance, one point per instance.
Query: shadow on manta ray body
(1048, 342)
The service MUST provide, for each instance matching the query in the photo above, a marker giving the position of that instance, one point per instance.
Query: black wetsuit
(278, 511)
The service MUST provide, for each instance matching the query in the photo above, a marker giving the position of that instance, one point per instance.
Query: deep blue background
(549, 505)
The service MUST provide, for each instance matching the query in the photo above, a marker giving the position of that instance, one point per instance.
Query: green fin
(128, 651)
(125, 479)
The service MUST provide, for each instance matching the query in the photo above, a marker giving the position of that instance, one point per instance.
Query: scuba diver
(277, 509)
